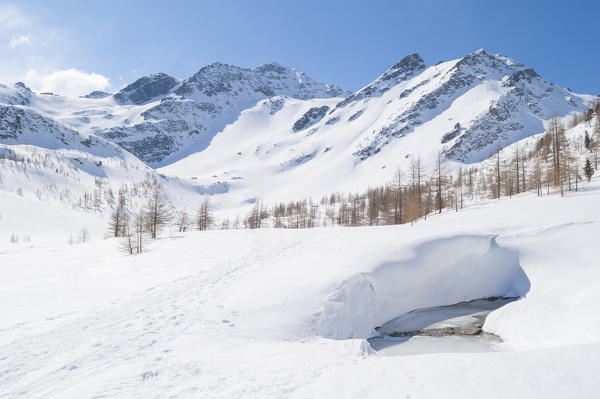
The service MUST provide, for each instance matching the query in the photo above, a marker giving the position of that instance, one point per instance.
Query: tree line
(552, 163)
(136, 227)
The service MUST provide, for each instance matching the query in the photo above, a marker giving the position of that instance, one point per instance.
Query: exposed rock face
(16, 122)
(146, 88)
(267, 80)
(451, 135)
(149, 140)
(469, 107)
(405, 69)
(311, 117)
(96, 94)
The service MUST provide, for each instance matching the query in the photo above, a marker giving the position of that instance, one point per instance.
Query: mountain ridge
(253, 131)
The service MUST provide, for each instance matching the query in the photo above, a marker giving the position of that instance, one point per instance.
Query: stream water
(452, 328)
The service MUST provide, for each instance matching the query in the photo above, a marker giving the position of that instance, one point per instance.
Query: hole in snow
(452, 328)
(441, 272)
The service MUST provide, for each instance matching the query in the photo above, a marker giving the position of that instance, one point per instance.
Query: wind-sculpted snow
(442, 272)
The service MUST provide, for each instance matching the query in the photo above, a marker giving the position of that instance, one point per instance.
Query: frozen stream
(452, 328)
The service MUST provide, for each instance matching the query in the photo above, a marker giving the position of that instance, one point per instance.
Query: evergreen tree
(588, 169)
(587, 141)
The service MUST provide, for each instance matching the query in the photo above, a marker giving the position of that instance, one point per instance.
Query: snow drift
(442, 272)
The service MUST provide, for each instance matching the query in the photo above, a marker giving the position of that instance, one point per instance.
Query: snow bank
(442, 272)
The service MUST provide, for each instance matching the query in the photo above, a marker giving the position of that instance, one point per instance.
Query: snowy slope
(185, 121)
(243, 313)
(286, 313)
(160, 118)
(271, 132)
(465, 108)
(45, 163)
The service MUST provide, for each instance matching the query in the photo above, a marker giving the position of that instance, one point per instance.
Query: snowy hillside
(47, 166)
(246, 313)
(272, 133)
(465, 108)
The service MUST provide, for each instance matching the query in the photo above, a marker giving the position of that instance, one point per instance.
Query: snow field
(239, 313)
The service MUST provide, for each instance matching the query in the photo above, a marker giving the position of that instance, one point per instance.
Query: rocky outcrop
(311, 117)
(146, 89)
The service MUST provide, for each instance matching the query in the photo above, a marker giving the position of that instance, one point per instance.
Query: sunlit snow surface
(237, 313)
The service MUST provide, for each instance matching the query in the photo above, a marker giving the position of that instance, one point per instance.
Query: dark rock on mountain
(405, 69)
(205, 103)
(311, 117)
(146, 88)
(96, 94)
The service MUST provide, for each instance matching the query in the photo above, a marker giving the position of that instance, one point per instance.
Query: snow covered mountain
(478, 103)
(185, 116)
(160, 118)
(273, 132)
(43, 159)
(465, 108)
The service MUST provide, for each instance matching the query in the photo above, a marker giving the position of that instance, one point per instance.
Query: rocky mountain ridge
(474, 104)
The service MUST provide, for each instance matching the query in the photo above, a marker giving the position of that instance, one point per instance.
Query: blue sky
(74, 46)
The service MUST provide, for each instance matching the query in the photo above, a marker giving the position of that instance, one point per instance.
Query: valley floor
(245, 313)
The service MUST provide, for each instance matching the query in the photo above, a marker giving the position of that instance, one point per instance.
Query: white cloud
(40, 55)
(19, 41)
(68, 82)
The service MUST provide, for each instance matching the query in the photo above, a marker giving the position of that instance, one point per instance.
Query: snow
(287, 313)
(460, 315)
(271, 161)
(420, 345)
(441, 271)
(240, 313)
(246, 148)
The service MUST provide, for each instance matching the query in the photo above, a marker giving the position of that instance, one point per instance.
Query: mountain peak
(404, 68)
(272, 67)
(96, 94)
(411, 60)
(146, 88)
(481, 58)
(23, 86)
